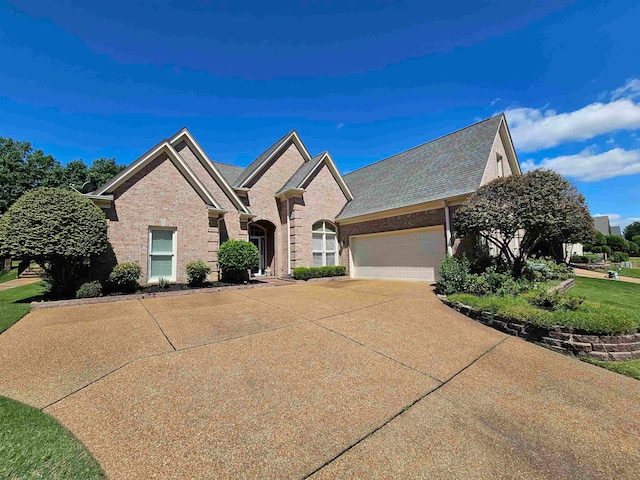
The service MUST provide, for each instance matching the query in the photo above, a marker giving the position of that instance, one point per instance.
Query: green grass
(611, 308)
(630, 368)
(14, 303)
(608, 292)
(34, 445)
(5, 275)
(630, 272)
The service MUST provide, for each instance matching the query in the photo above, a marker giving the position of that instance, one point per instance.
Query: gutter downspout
(447, 221)
(288, 238)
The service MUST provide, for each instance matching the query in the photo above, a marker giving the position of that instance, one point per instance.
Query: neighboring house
(389, 220)
(603, 225)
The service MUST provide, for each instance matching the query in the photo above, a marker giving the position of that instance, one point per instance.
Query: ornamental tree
(236, 258)
(538, 206)
(59, 229)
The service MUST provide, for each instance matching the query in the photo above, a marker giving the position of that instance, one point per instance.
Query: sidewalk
(603, 276)
(18, 282)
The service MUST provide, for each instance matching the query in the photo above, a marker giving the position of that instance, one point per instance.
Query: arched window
(324, 244)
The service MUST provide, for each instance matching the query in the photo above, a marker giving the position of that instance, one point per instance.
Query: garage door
(413, 255)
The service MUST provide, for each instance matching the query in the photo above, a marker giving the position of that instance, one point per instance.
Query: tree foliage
(57, 228)
(236, 257)
(632, 230)
(22, 169)
(539, 205)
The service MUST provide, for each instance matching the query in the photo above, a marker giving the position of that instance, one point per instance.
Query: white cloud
(631, 89)
(587, 166)
(619, 220)
(536, 129)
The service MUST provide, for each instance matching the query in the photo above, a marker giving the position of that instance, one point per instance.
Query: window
(324, 244)
(162, 254)
(499, 165)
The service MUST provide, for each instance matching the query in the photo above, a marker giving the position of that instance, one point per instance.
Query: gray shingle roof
(448, 166)
(615, 230)
(255, 165)
(602, 224)
(229, 172)
(305, 169)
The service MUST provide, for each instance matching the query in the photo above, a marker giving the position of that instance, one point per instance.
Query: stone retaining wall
(592, 266)
(563, 339)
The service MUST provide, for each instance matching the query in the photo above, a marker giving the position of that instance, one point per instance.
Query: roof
(615, 230)
(258, 162)
(602, 224)
(446, 167)
(228, 171)
(298, 178)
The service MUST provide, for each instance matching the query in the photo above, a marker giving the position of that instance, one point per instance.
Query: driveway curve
(340, 379)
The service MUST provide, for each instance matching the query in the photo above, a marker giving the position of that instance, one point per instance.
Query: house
(603, 225)
(390, 220)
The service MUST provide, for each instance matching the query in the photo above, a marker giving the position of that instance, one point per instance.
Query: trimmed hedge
(124, 277)
(197, 272)
(305, 273)
(89, 290)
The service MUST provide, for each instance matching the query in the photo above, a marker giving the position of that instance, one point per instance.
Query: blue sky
(363, 79)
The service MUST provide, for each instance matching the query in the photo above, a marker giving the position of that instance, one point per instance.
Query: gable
(280, 167)
(260, 164)
(165, 151)
(207, 171)
(503, 149)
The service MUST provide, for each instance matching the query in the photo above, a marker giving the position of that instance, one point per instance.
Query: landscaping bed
(598, 320)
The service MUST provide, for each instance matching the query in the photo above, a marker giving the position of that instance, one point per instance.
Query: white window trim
(325, 231)
(174, 255)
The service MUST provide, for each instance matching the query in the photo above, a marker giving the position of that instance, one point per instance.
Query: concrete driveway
(344, 379)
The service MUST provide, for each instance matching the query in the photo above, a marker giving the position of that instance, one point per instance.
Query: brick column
(297, 233)
(213, 244)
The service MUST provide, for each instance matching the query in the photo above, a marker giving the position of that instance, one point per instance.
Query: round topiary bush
(236, 258)
(125, 277)
(59, 229)
(197, 272)
(89, 290)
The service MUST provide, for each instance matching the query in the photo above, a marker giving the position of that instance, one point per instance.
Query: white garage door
(413, 255)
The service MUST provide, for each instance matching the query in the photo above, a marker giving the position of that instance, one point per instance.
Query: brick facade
(158, 195)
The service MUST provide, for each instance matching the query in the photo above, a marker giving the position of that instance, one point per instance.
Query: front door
(258, 236)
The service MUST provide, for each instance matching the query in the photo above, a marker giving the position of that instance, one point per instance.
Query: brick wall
(322, 200)
(159, 195)
(491, 170)
(427, 218)
(265, 206)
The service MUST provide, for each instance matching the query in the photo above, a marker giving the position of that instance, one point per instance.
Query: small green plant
(163, 283)
(454, 275)
(89, 290)
(556, 300)
(197, 272)
(125, 276)
(236, 258)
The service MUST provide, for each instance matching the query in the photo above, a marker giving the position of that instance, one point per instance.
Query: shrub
(305, 273)
(124, 277)
(556, 300)
(454, 275)
(197, 272)
(89, 290)
(619, 257)
(58, 229)
(163, 283)
(236, 258)
(544, 269)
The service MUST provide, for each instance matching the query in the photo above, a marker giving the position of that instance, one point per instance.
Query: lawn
(630, 369)
(14, 303)
(618, 294)
(34, 445)
(5, 275)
